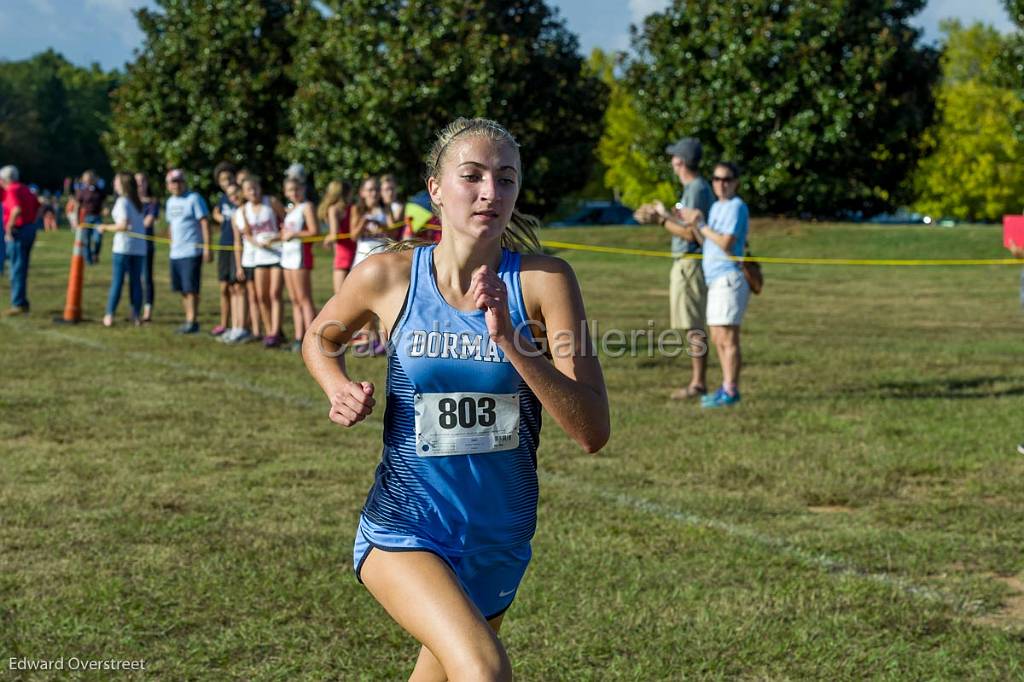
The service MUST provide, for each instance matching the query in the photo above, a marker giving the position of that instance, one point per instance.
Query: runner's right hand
(352, 404)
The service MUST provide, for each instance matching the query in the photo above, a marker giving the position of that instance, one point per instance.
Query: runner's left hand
(491, 295)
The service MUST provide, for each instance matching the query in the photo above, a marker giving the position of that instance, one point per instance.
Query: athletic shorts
(490, 578)
(226, 267)
(344, 254)
(250, 274)
(185, 274)
(727, 300)
(688, 297)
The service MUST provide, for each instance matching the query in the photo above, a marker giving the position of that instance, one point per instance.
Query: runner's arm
(340, 318)
(570, 386)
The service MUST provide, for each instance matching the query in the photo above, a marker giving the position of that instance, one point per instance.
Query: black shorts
(226, 269)
(250, 274)
(185, 274)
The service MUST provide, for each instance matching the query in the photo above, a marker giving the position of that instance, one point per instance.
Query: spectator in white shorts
(724, 235)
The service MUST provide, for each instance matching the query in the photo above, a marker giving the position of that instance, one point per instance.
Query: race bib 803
(466, 423)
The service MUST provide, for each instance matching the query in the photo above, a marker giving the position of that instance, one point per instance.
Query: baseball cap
(296, 171)
(175, 174)
(688, 149)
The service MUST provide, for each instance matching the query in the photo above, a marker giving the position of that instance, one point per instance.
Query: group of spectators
(264, 244)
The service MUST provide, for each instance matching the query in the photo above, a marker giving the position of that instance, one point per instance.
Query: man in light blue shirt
(724, 235)
(189, 222)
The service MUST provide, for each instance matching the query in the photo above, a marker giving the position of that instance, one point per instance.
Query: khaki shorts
(688, 297)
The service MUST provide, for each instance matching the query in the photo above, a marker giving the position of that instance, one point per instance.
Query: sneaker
(719, 399)
(241, 335)
(218, 330)
(272, 341)
(15, 311)
(1020, 448)
(296, 346)
(108, 320)
(188, 328)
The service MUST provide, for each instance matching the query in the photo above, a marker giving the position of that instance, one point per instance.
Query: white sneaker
(242, 336)
(1020, 448)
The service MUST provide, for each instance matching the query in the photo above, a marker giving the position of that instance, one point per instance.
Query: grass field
(859, 515)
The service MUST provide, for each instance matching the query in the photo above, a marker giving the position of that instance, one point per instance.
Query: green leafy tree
(1008, 70)
(822, 103)
(52, 114)
(376, 79)
(973, 171)
(210, 83)
(635, 175)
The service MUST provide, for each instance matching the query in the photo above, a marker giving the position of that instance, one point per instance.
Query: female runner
(444, 537)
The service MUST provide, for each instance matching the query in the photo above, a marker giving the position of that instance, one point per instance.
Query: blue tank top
(461, 427)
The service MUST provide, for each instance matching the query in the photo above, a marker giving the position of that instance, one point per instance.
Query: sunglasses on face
(718, 178)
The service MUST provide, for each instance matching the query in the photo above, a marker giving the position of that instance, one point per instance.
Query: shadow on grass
(949, 389)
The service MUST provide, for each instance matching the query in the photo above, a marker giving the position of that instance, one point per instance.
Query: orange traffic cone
(73, 303)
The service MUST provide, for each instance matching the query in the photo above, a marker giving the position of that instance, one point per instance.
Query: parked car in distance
(598, 213)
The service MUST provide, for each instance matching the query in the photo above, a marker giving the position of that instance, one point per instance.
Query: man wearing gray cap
(688, 294)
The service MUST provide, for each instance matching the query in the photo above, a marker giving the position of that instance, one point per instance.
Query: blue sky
(104, 31)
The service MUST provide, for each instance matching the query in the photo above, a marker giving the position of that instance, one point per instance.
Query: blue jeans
(3, 251)
(92, 239)
(21, 249)
(131, 266)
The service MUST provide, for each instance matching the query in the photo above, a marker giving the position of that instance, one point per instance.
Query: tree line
(831, 108)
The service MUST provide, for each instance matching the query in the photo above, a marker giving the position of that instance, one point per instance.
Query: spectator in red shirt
(20, 210)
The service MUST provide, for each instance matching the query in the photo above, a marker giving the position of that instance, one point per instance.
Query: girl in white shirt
(300, 225)
(129, 247)
(259, 223)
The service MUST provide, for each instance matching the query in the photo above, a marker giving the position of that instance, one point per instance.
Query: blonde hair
(335, 194)
(521, 233)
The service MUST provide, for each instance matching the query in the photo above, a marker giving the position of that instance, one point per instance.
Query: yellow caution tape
(696, 256)
(789, 261)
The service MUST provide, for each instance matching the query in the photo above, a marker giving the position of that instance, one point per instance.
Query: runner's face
(478, 187)
(235, 195)
(387, 192)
